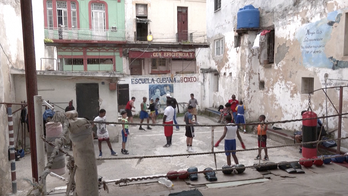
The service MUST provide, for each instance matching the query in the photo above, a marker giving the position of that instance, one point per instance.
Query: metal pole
(12, 149)
(30, 76)
(39, 134)
(326, 120)
(339, 121)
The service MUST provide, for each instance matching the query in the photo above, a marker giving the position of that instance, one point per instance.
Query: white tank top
(231, 131)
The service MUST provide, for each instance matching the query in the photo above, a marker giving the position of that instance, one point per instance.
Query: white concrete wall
(282, 98)
(163, 16)
(139, 87)
(63, 89)
(11, 55)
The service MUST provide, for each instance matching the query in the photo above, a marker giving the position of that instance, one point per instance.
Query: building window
(73, 64)
(345, 45)
(141, 22)
(262, 85)
(98, 17)
(159, 64)
(219, 47)
(61, 13)
(217, 5)
(73, 15)
(49, 15)
(307, 85)
(270, 46)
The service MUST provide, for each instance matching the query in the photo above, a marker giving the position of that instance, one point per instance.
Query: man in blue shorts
(230, 133)
(144, 114)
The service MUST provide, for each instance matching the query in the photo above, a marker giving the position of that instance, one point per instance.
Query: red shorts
(168, 130)
(261, 140)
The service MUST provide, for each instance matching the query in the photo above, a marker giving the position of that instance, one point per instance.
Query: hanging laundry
(264, 32)
(257, 41)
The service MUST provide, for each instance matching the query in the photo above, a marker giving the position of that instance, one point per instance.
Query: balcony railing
(189, 37)
(112, 34)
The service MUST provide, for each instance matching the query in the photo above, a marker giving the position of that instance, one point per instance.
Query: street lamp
(149, 37)
(326, 76)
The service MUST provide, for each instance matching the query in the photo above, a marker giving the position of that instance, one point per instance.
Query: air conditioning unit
(113, 29)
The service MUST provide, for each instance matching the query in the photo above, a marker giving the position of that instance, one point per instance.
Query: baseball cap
(168, 95)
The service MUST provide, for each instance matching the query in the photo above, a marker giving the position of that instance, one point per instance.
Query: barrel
(248, 17)
(54, 131)
(309, 134)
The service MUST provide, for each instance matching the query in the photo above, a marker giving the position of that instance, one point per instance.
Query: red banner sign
(168, 55)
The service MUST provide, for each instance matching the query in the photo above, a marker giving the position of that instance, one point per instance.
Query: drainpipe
(339, 121)
(12, 149)
(30, 77)
(326, 75)
(39, 133)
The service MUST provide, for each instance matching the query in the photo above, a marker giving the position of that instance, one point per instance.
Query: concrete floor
(150, 142)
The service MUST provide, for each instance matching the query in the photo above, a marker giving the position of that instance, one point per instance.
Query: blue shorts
(156, 112)
(124, 138)
(143, 115)
(230, 145)
(240, 119)
(234, 116)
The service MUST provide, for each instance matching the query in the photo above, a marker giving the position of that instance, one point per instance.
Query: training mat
(247, 175)
(187, 193)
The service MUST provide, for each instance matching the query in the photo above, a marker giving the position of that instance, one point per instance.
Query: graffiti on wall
(313, 38)
(163, 80)
(160, 91)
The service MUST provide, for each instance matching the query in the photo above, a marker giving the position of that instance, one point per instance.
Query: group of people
(169, 118)
(235, 109)
(231, 133)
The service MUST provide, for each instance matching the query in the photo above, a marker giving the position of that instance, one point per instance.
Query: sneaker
(191, 149)
(244, 131)
(149, 128)
(140, 128)
(125, 151)
(166, 146)
(122, 151)
(257, 157)
(100, 154)
(113, 153)
(265, 158)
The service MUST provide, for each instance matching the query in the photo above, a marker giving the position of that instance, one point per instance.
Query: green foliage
(46, 40)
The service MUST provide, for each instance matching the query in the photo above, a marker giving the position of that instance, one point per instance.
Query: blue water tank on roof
(248, 17)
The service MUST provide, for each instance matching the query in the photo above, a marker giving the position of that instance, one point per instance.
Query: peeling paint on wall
(281, 52)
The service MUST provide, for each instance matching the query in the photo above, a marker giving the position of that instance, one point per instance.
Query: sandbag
(240, 168)
(338, 159)
(265, 166)
(286, 166)
(192, 176)
(183, 174)
(172, 175)
(297, 167)
(209, 174)
(226, 169)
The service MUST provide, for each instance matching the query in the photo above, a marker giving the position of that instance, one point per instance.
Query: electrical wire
(3, 50)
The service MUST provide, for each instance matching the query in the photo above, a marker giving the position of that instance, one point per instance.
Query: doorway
(182, 24)
(87, 100)
(123, 96)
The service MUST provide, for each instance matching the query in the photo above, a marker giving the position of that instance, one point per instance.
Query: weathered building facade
(302, 46)
(163, 55)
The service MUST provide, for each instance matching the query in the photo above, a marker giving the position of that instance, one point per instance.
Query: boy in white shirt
(230, 133)
(168, 119)
(102, 132)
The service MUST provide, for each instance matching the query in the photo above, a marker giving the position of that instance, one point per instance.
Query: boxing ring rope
(126, 180)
